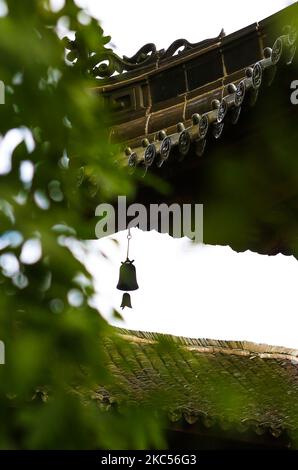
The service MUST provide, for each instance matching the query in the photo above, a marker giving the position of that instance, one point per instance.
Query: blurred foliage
(53, 338)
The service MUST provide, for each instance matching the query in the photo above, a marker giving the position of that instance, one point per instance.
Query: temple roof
(237, 384)
(173, 114)
(175, 98)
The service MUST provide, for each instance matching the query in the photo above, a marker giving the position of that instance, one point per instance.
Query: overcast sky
(200, 291)
(133, 23)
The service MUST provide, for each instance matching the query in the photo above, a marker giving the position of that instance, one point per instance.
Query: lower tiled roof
(235, 384)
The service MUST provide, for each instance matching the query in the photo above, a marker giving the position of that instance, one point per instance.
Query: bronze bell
(127, 277)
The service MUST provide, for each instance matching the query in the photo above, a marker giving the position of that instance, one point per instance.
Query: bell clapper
(126, 301)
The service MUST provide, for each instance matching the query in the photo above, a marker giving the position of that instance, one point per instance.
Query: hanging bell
(127, 277)
(126, 302)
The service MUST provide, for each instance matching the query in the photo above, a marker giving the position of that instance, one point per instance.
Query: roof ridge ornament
(105, 63)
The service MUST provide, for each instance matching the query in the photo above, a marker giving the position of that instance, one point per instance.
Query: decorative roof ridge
(104, 64)
(204, 345)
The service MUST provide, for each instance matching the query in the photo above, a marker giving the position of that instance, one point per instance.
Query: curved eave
(205, 76)
(188, 118)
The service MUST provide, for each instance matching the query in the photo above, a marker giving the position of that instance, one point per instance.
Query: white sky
(133, 23)
(200, 291)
